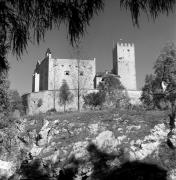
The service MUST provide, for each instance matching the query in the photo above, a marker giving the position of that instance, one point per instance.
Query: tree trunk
(172, 116)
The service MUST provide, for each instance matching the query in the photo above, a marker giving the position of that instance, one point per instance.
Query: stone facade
(46, 100)
(124, 64)
(81, 76)
(48, 77)
(50, 73)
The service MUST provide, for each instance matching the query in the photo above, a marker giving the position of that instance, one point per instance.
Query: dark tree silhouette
(152, 8)
(26, 21)
(126, 170)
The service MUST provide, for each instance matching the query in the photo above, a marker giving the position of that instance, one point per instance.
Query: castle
(80, 75)
(50, 73)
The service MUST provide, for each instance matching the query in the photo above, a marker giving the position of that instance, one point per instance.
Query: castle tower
(36, 78)
(124, 64)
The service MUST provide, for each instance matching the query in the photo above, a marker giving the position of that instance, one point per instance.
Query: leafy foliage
(150, 7)
(110, 83)
(164, 70)
(113, 90)
(94, 99)
(4, 94)
(27, 21)
(20, 21)
(65, 95)
(16, 101)
(147, 92)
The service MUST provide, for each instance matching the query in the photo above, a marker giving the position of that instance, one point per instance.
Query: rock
(134, 128)
(47, 132)
(93, 128)
(172, 139)
(35, 151)
(149, 144)
(79, 149)
(172, 174)
(106, 141)
(6, 168)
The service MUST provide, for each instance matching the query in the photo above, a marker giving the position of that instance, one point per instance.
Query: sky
(107, 28)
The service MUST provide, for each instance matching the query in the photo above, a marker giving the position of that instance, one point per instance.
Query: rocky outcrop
(116, 140)
(7, 169)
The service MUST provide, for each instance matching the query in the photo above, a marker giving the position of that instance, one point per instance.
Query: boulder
(6, 168)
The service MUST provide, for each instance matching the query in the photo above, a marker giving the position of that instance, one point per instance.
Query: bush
(94, 99)
(16, 101)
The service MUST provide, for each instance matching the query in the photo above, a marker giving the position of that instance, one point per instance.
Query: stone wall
(67, 69)
(43, 101)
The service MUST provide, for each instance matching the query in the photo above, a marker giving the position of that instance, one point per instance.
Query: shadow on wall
(101, 169)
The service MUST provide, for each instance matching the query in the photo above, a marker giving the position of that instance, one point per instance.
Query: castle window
(128, 50)
(69, 65)
(62, 65)
(81, 73)
(67, 73)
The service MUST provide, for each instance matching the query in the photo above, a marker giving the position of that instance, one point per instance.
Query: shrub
(16, 101)
(94, 99)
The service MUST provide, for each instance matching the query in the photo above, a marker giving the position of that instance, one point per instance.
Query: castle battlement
(125, 44)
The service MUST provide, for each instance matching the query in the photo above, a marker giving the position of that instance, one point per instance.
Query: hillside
(69, 141)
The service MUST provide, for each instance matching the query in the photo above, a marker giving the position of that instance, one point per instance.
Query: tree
(110, 83)
(165, 70)
(94, 99)
(113, 90)
(163, 88)
(16, 101)
(147, 92)
(152, 8)
(20, 21)
(4, 94)
(65, 95)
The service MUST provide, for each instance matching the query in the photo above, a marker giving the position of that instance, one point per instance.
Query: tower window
(67, 73)
(128, 50)
(81, 73)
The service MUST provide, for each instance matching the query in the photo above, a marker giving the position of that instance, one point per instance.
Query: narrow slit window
(81, 73)
(67, 73)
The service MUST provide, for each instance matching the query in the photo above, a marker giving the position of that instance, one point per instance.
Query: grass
(147, 120)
